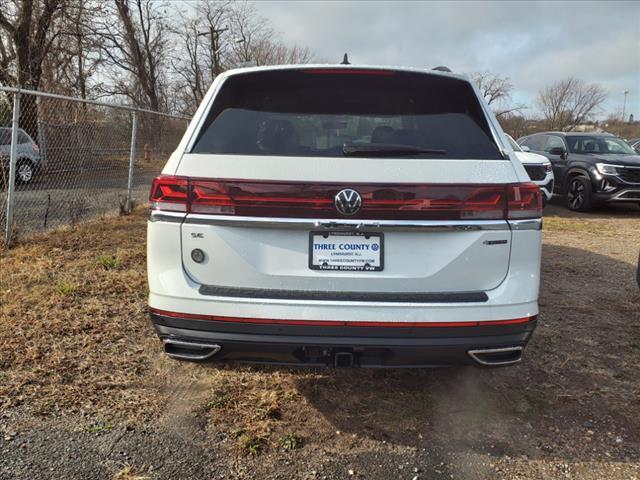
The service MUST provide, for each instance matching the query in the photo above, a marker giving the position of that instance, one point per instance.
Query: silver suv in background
(29, 160)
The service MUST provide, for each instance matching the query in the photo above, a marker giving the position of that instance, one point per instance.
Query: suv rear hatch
(260, 179)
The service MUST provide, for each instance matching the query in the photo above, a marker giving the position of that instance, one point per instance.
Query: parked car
(28, 160)
(589, 168)
(635, 144)
(268, 242)
(538, 168)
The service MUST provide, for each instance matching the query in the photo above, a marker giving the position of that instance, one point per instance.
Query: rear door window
(5, 136)
(317, 112)
(22, 138)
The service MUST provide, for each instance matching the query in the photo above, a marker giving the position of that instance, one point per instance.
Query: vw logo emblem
(348, 201)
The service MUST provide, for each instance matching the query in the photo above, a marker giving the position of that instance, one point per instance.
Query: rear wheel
(24, 172)
(578, 194)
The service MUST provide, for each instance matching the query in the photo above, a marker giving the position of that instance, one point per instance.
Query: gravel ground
(85, 391)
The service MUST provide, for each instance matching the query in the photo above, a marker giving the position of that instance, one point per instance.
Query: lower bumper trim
(376, 347)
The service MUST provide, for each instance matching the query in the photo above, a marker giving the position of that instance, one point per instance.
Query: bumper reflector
(341, 323)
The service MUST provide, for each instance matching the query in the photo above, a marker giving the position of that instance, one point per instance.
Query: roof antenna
(345, 60)
(442, 68)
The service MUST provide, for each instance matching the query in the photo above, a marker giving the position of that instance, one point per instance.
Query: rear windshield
(331, 114)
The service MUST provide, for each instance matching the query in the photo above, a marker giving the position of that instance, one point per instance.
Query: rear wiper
(386, 150)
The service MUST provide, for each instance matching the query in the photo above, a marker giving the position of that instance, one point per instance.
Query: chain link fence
(66, 159)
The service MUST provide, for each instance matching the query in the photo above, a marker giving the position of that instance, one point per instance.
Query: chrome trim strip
(163, 216)
(310, 223)
(526, 224)
(617, 196)
(474, 355)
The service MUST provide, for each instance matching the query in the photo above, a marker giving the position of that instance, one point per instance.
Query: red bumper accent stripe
(342, 323)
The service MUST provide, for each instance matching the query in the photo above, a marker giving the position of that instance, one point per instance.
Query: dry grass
(127, 474)
(75, 338)
(74, 335)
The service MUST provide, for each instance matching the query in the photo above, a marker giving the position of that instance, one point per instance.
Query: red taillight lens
(36, 148)
(169, 193)
(379, 201)
(524, 201)
(210, 197)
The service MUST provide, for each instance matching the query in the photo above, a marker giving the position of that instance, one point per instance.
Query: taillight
(210, 197)
(169, 193)
(317, 200)
(36, 148)
(524, 201)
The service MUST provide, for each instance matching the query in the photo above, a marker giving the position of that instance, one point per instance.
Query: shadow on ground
(575, 396)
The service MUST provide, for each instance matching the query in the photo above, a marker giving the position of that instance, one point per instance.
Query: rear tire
(24, 172)
(578, 194)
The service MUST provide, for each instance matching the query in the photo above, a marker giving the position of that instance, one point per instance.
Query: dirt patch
(85, 391)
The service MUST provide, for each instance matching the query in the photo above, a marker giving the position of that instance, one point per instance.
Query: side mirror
(557, 151)
(524, 148)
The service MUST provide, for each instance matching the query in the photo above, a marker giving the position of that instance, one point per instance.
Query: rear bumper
(364, 346)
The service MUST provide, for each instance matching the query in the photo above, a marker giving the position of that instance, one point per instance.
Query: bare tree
(496, 90)
(28, 34)
(261, 44)
(75, 59)
(517, 125)
(135, 44)
(570, 102)
(219, 35)
(192, 78)
(197, 61)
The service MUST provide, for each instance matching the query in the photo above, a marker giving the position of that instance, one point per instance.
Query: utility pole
(214, 33)
(624, 105)
(215, 48)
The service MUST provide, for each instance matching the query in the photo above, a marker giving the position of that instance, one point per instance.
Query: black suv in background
(589, 168)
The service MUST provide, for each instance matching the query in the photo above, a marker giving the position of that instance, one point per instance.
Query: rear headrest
(381, 134)
(405, 137)
(276, 136)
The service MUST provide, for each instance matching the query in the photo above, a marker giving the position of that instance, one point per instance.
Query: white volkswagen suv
(344, 216)
(538, 168)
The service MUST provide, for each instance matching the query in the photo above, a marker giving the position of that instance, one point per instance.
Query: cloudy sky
(533, 43)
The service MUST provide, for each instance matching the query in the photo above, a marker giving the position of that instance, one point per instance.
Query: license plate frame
(365, 267)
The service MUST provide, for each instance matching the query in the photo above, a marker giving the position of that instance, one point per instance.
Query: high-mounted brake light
(316, 200)
(349, 71)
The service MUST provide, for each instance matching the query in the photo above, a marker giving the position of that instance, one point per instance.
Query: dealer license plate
(347, 251)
